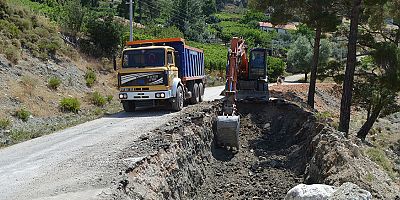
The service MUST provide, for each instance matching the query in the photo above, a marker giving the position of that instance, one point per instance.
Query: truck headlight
(123, 96)
(160, 95)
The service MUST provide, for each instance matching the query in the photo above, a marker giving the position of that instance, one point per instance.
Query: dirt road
(79, 162)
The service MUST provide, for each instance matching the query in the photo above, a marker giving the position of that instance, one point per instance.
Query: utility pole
(131, 20)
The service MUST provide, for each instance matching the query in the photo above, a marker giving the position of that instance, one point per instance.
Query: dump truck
(246, 79)
(160, 72)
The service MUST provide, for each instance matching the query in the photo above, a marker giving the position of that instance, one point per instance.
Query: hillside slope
(32, 52)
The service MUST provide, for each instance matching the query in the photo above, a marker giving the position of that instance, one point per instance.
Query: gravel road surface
(78, 162)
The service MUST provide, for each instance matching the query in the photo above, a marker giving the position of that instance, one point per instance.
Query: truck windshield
(144, 58)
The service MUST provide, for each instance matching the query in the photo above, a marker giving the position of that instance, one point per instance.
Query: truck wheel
(195, 94)
(177, 103)
(129, 106)
(201, 91)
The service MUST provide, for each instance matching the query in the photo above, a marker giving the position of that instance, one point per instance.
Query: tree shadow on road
(142, 112)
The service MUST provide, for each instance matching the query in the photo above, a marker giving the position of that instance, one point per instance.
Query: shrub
(12, 53)
(29, 83)
(70, 105)
(109, 98)
(54, 83)
(276, 68)
(90, 77)
(4, 123)
(23, 114)
(97, 99)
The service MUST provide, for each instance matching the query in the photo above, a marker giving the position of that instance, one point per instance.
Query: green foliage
(97, 99)
(109, 98)
(276, 68)
(253, 17)
(105, 34)
(23, 114)
(380, 158)
(215, 55)
(54, 83)
(300, 55)
(90, 78)
(72, 17)
(5, 123)
(70, 105)
(253, 37)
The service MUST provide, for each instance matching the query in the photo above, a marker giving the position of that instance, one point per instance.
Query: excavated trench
(180, 161)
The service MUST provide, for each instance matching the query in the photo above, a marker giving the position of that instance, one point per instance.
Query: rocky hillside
(38, 70)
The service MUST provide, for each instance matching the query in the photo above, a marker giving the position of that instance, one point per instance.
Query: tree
(345, 107)
(189, 19)
(320, 15)
(73, 14)
(105, 33)
(300, 54)
(383, 70)
(276, 68)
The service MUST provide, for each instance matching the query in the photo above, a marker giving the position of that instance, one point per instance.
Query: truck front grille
(142, 79)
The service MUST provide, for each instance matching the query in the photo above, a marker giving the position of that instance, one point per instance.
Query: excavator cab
(255, 84)
(246, 80)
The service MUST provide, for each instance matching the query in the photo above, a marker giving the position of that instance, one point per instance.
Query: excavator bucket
(228, 131)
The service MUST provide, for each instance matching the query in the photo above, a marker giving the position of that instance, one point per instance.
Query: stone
(350, 191)
(310, 192)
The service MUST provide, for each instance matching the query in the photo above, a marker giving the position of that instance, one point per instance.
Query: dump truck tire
(201, 92)
(195, 94)
(177, 102)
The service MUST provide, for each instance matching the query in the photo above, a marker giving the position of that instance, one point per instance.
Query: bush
(90, 78)
(23, 114)
(54, 83)
(109, 98)
(70, 105)
(4, 123)
(276, 68)
(97, 99)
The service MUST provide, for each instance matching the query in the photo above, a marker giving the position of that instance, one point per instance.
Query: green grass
(54, 83)
(109, 98)
(90, 78)
(380, 158)
(70, 105)
(5, 123)
(23, 114)
(97, 99)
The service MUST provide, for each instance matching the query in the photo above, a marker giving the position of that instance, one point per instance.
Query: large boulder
(327, 192)
(310, 192)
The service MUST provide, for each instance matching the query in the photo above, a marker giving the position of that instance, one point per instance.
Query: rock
(310, 192)
(350, 191)
(327, 192)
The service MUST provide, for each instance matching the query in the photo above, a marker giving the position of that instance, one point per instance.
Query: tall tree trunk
(313, 78)
(363, 132)
(347, 95)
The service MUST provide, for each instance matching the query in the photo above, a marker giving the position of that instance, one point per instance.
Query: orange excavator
(246, 79)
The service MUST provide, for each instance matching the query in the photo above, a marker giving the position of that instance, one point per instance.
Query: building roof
(289, 26)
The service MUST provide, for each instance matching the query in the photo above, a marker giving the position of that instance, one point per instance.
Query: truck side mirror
(115, 63)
